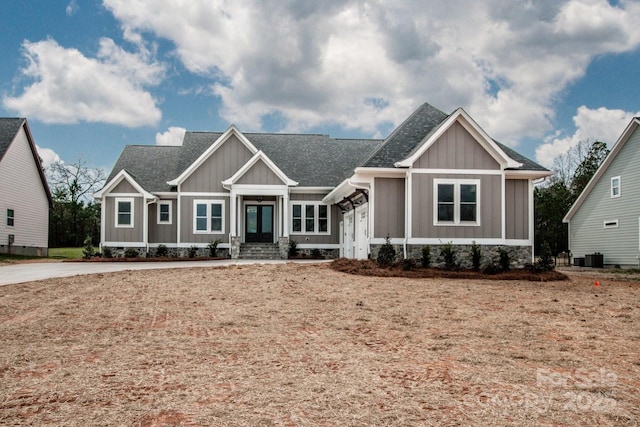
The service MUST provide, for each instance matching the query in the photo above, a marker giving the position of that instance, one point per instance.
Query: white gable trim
(252, 161)
(629, 130)
(232, 130)
(476, 132)
(122, 175)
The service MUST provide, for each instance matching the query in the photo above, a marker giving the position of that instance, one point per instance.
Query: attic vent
(611, 224)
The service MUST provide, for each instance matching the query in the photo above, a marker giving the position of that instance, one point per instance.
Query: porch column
(285, 215)
(233, 219)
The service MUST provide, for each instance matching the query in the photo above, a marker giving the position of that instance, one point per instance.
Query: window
(310, 218)
(611, 224)
(615, 186)
(456, 202)
(164, 212)
(208, 216)
(124, 212)
(10, 217)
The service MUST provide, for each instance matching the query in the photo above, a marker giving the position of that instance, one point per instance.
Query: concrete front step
(259, 251)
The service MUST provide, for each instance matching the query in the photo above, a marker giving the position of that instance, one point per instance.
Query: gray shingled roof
(150, 165)
(527, 164)
(8, 129)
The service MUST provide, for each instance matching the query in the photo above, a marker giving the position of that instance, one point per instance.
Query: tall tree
(598, 151)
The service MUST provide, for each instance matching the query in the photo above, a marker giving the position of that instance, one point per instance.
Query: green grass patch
(66, 253)
(7, 258)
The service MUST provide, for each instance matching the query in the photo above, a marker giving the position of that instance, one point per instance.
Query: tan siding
(336, 216)
(260, 173)
(221, 165)
(123, 187)
(186, 224)
(389, 207)
(163, 233)
(114, 234)
(21, 189)
(456, 149)
(517, 208)
(490, 209)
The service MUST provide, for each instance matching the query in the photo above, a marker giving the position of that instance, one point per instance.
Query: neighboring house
(438, 178)
(605, 218)
(25, 198)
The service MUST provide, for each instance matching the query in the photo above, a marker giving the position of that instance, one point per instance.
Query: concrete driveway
(28, 272)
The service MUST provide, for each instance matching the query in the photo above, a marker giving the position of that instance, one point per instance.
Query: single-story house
(605, 218)
(25, 198)
(437, 178)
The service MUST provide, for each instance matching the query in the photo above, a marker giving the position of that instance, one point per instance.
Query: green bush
(193, 251)
(504, 259)
(213, 247)
(408, 264)
(449, 256)
(293, 248)
(87, 249)
(162, 251)
(107, 252)
(476, 256)
(545, 263)
(387, 254)
(131, 253)
(315, 253)
(425, 260)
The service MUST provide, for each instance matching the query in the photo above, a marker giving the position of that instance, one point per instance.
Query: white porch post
(234, 215)
(285, 216)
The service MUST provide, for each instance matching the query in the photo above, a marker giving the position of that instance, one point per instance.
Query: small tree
(88, 250)
(545, 263)
(449, 256)
(162, 250)
(476, 256)
(425, 260)
(504, 259)
(293, 248)
(387, 254)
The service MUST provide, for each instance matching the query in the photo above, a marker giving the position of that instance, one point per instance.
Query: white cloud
(48, 156)
(600, 124)
(320, 63)
(69, 87)
(72, 7)
(173, 136)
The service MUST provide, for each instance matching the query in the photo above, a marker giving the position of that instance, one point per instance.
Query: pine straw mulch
(294, 344)
(370, 268)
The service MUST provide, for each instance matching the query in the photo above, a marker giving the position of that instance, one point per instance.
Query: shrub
(315, 253)
(425, 260)
(408, 264)
(545, 263)
(293, 248)
(492, 268)
(213, 247)
(131, 253)
(162, 250)
(504, 259)
(448, 254)
(387, 254)
(193, 250)
(476, 256)
(107, 252)
(87, 249)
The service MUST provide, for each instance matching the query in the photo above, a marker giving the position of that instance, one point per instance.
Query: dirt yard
(306, 345)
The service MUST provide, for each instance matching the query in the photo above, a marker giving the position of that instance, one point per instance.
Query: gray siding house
(605, 218)
(437, 179)
(25, 198)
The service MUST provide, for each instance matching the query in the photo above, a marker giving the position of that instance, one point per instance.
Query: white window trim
(456, 202)
(12, 217)
(166, 203)
(133, 208)
(615, 196)
(316, 212)
(196, 202)
(611, 223)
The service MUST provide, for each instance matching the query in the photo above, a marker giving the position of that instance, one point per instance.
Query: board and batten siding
(163, 233)
(490, 209)
(389, 213)
(336, 216)
(456, 149)
(123, 234)
(187, 236)
(124, 187)
(221, 165)
(587, 234)
(28, 199)
(517, 208)
(260, 174)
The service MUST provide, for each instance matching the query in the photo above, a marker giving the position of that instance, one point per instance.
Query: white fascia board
(476, 131)
(122, 175)
(338, 193)
(311, 190)
(380, 172)
(252, 161)
(232, 130)
(526, 174)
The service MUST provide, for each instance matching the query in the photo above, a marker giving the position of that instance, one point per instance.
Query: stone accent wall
(283, 247)
(325, 253)
(520, 255)
(234, 247)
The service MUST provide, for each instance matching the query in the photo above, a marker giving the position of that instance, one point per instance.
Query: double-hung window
(11, 215)
(615, 186)
(456, 202)
(208, 216)
(124, 212)
(164, 212)
(309, 218)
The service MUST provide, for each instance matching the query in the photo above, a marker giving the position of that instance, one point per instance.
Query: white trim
(138, 195)
(132, 203)
(457, 222)
(212, 149)
(463, 241)
(166, 203)
(208, 203)
(392, 240)
(316, 218)
(311, 190)
(125, 244)
(103, 221)
(619, 187)
(188, 245)
(167, 194)
(274, 222)
(252, 161)
(532, 225)
(179, 216)
(203, 194)
(380, 172)
(612, 223)
(318, 245)
(122, 175)
(525, 174)
(503, 207)
(458, 171)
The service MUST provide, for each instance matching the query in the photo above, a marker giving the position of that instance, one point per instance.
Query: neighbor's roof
(8, 129)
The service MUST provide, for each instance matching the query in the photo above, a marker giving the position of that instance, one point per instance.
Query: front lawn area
(65, 253)
(300, 344)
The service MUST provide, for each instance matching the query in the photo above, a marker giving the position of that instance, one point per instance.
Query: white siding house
(25, 198)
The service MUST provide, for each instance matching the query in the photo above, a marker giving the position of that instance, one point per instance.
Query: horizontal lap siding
(490, 209)
(186, 221)
(517, 208)
(336, 216)
(389, 211)
(114, 234)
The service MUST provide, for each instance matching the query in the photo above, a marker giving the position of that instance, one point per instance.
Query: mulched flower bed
(142, 259)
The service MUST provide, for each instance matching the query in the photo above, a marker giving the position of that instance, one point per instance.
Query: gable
(225, 161)
(456, 148)
(261, 174)
(124, 187)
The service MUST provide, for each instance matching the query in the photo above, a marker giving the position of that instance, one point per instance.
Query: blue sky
(94, 75)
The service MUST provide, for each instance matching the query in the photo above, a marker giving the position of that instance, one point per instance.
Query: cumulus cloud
(173, 136)
(320, 63)
(48, 156)
(599, 124)
(68, 87)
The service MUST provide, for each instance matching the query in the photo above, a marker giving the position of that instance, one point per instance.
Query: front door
(259, 223)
